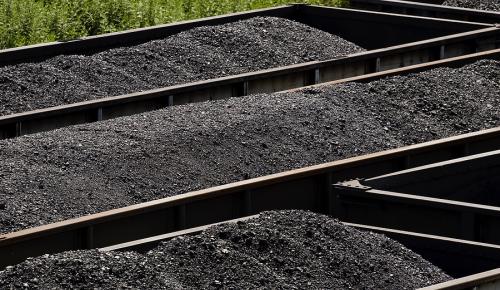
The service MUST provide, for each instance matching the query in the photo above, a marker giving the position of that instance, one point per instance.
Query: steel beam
(435, 216)
(427, 9)
(489, 280)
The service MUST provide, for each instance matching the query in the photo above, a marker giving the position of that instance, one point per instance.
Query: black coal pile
(492, 5)
(286, 249)
(197, 54)
(294, 249)
(90, 168)
(86, 270)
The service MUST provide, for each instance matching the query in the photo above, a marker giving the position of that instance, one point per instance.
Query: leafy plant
(24, 22)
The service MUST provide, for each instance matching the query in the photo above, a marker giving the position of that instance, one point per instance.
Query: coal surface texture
(84, 169)
(277, 250)
(86, 270)
(197, 54)
(491, 5)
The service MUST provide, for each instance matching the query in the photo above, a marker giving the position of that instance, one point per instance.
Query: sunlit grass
(24, 22)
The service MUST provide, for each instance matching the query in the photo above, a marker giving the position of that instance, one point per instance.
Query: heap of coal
(193, 55)
(91, 168)
(86, 270)
(286, 249)
(491, 5)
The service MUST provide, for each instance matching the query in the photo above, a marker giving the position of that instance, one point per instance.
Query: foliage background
(24, 22)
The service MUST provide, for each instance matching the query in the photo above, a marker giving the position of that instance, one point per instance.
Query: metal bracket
(353, 184)
(317, 76)
(19, 131)
(99, 114)
(245, 88)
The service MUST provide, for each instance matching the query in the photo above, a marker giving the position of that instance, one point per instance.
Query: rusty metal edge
(168, 236)
(355, 187)
(467, 282)
(374, 228)
(190, 231)
(408, 69)
(437, 165)
(442, 203)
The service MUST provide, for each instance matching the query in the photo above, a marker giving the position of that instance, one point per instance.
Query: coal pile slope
(90, 168)
(277, 250)
(86, 270)
(294, 249)
(197, 54)
(491, 5)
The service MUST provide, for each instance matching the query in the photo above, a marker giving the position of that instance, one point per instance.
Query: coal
(283, 249)
(197, 54)
(491, 5)
(86, 270)
(90, 168)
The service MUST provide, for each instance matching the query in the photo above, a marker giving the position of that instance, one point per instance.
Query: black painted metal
(373, 30)
(417, 214)
(456, 198)
(472, 179)
(425, 10)
(458, 258)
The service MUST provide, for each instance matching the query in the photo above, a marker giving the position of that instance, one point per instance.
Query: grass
(25, 22)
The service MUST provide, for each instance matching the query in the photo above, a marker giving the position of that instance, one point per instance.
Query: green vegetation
(24, 22)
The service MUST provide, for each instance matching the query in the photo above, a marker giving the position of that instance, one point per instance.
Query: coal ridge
(277, 250)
